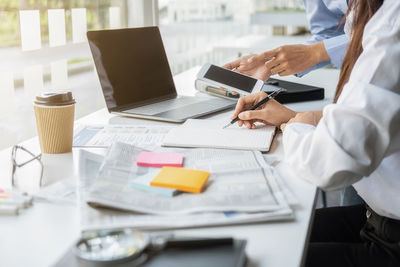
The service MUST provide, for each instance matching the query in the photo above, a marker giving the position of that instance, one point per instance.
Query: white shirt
(357, 141)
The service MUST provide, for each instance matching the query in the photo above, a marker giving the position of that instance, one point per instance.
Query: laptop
(136, 79)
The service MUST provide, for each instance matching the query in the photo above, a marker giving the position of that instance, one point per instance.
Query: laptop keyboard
(164, 106)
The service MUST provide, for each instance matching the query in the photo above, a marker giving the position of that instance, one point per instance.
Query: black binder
(295, 92)
(232, 255)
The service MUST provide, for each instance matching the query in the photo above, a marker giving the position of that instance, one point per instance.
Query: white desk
(40, 235)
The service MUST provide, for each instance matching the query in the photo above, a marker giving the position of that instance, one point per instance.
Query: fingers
(278, 69)
(279, 63)
(245, 102)
(248, 124)
(282, 127)
(249, 118)
(271, 63)
(241, 64)
(233, 64)
(251, 63)
(286, 73)
(275, 66)
(256, 59)
(275, 61)
(251, 124)
(239, 107)
(270, 54)
(253, 115)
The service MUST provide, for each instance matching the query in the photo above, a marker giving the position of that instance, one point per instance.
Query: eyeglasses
(16, 164)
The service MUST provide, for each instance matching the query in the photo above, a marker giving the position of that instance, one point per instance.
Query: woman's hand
(309, 117)
(271, 113)
(251, 65)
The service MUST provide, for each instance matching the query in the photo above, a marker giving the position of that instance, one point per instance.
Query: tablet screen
(230, 78)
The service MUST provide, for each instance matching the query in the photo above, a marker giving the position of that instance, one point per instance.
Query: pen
(262, 102)
(222, 92)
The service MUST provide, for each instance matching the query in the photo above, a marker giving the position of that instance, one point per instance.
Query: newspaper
(76, 191)
(238, 183)
(101, 218)
(105, 135)
(97, 219)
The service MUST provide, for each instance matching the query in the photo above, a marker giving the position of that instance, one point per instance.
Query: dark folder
(295, 92)
(232, 255)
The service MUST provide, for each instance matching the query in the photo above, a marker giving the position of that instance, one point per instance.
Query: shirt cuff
(336, 48)
(316, 66)
(297, 128)
(293, 135)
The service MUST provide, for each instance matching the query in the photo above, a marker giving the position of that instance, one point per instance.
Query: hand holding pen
(260, 107)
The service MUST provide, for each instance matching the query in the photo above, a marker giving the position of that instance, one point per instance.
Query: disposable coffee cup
(54, 114)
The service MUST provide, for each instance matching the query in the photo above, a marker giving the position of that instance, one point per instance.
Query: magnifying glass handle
(198, 242)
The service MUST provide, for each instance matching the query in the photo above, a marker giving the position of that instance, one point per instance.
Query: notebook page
(209, 133)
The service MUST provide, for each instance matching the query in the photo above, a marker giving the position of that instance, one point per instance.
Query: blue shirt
(325, 18)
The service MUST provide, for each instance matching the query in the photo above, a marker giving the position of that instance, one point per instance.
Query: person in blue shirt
(328, 45)
(327, 26)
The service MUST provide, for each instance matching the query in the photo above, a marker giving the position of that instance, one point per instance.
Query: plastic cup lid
(55, 99)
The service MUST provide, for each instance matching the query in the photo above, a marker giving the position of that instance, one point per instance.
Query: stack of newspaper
(241, 189)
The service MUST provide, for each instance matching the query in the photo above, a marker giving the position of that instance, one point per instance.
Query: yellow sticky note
(181, 179)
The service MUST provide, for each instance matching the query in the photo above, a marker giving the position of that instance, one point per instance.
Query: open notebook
(209, 134)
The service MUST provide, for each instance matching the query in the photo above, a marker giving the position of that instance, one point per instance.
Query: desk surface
(40, 235)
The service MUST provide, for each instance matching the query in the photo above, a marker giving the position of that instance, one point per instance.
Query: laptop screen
(132, 66)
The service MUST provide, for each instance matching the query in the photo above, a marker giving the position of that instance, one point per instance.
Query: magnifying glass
(113, 246)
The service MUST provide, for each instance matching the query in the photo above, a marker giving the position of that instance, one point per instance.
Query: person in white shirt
(355, 140)
(328, 45)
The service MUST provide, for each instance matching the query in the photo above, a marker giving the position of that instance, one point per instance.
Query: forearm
(319, 53)
(317, 114)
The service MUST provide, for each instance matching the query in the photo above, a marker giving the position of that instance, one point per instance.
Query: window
(211, 30)
(43, 44)
(43, 47)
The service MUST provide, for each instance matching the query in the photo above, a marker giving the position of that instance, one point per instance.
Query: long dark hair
(363, 11)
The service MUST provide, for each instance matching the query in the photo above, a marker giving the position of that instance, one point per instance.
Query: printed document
(105, 135)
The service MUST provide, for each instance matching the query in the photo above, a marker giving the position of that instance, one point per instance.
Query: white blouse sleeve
(354, 135)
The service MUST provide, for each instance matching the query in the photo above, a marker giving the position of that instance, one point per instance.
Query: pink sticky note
(158, 160)
(2, 190)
